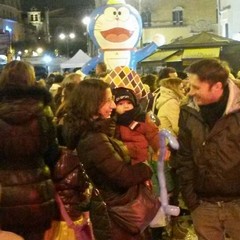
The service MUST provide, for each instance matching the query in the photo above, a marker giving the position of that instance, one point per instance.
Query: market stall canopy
(202, 45)
(199, 53)
(160, 55)
(77, 61)
(203, 39)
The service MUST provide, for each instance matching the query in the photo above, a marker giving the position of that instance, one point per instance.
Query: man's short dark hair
(209, 70)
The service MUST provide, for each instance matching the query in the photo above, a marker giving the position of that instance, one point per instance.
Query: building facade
(45, 20)
(34, 18)
(55, 4)
(177, 19)
(228, 15)
(10, 18)
(10, 24)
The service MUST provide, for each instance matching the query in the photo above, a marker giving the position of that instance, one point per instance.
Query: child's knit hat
(122, 93)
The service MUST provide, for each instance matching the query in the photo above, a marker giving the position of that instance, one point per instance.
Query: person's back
(101, 70)
(208, 162)
(4, 235)
(166, 72)
(168, 103)
(61, 110)
(150, 80)
(27, 143)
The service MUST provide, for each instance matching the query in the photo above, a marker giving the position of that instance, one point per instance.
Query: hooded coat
(168, 105)
(27, 149)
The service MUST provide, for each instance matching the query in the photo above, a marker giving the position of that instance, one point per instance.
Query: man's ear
(218, 86)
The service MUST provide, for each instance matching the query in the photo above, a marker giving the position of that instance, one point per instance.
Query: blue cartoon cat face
(115, 26)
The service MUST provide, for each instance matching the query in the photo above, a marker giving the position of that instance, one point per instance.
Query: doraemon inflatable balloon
(116, 29)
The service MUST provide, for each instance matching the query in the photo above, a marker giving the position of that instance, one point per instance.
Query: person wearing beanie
(135, 127)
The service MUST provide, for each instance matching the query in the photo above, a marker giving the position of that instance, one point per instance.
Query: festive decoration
(126, 77)
(116, 29)
(166, 136)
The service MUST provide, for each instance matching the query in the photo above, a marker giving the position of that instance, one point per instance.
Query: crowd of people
(117, 144)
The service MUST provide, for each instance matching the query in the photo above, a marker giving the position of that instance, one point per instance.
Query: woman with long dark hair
(89, 128)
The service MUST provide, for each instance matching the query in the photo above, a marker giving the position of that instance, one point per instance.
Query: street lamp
(67, 37)
(39, 51)
(86, 21)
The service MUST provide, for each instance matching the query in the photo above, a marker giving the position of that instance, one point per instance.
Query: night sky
(53, 4)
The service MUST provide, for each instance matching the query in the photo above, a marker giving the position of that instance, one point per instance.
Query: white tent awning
(77, 61)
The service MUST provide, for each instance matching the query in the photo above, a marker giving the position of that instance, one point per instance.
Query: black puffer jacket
(105, 163)
(208, 161)
(27, 143)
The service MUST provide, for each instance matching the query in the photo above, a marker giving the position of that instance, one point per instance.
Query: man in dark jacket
(208, 161)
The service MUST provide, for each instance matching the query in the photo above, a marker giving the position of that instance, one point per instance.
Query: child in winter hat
(125, 99)
(134, 126)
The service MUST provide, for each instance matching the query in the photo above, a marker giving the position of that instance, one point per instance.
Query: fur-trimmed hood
(18, 105)
(38, 93)
(166, 94)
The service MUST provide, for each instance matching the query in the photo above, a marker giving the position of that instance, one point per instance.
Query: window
(146, 18)
(226, 30)
(177, 16)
